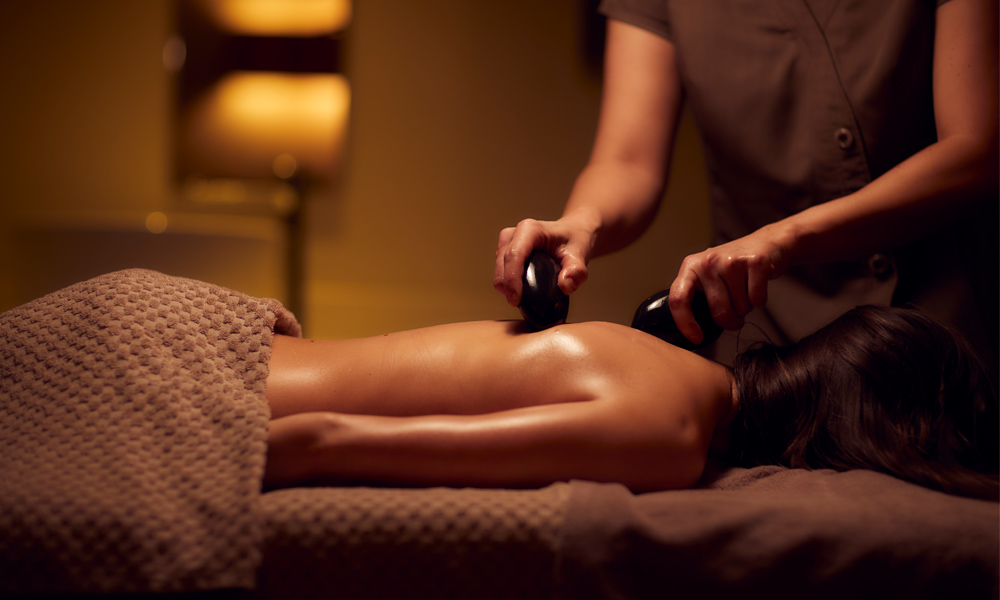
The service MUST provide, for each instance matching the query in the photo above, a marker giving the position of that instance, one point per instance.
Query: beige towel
(133, 430)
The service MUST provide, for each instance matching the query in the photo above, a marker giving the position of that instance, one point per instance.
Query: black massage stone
(543, 304)
(653, 316)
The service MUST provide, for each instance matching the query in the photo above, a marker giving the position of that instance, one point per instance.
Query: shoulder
(635, 354)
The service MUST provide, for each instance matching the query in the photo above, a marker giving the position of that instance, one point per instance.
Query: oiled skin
(488, 404)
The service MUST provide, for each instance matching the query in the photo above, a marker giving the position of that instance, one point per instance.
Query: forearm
(619, 191)
(501, 451)
(518, 448)
(934, 187)
(926, 192)
(938, 184)
(615, 200)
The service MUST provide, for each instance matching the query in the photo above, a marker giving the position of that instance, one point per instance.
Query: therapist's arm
(930, 189)
(619, 191)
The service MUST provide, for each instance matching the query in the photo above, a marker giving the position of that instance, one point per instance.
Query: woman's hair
(885, 389)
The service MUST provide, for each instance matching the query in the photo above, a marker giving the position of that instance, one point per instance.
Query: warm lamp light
(278, 17)
(245, 121)
(260, 104)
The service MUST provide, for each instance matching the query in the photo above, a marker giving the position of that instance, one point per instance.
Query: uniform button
(844, 137)
(880, 266)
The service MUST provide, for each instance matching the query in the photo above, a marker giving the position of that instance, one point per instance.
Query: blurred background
(355, 160)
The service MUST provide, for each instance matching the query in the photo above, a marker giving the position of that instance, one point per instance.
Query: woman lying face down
(489, 404)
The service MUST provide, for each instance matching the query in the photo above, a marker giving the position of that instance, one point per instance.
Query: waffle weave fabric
(133, 431)
(488, 544)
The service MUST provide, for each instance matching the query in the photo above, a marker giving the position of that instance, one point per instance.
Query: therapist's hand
(734, 278)
(566, 240)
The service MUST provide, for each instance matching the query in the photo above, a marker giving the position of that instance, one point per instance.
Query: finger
(498, 280)
(574, 270)
(757, 287)
(681, 293)
(573, 275)
(513, 257)
(505, 235)
(735, 280)
(502, 241)
(720, 302)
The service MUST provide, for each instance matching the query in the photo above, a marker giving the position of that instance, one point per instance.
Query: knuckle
(757, 261)
(690, 261)
(731, 263)
(715, 263)
(511, 254)
(577, 273)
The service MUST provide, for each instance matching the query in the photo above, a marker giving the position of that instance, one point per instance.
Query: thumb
(572, 276)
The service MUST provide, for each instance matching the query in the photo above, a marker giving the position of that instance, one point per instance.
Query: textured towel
(133, 431)
(435, 543)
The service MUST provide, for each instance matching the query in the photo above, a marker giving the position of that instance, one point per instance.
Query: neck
(721, 446)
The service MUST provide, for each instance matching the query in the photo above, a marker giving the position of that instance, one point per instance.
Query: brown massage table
(132, 442)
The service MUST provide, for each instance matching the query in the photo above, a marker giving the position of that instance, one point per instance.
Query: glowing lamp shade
(245, 122)
(278, 17)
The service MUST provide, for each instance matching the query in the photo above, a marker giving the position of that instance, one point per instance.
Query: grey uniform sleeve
(646, 14)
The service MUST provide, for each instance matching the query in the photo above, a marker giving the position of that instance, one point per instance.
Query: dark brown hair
(885, 389)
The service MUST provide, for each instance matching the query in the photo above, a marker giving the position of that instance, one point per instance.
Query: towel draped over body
(133, 434)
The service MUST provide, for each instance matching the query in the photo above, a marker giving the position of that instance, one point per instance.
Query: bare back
(487, 403)
(480, 367)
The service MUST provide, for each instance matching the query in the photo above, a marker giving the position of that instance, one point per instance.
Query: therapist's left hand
(734, 278)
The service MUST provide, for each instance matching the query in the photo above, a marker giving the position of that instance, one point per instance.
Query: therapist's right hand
(568, 242)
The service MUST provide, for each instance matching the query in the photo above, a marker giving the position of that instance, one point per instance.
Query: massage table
(133, 430)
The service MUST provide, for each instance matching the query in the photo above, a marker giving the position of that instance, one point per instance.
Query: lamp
(261, 108)
(240, 125)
